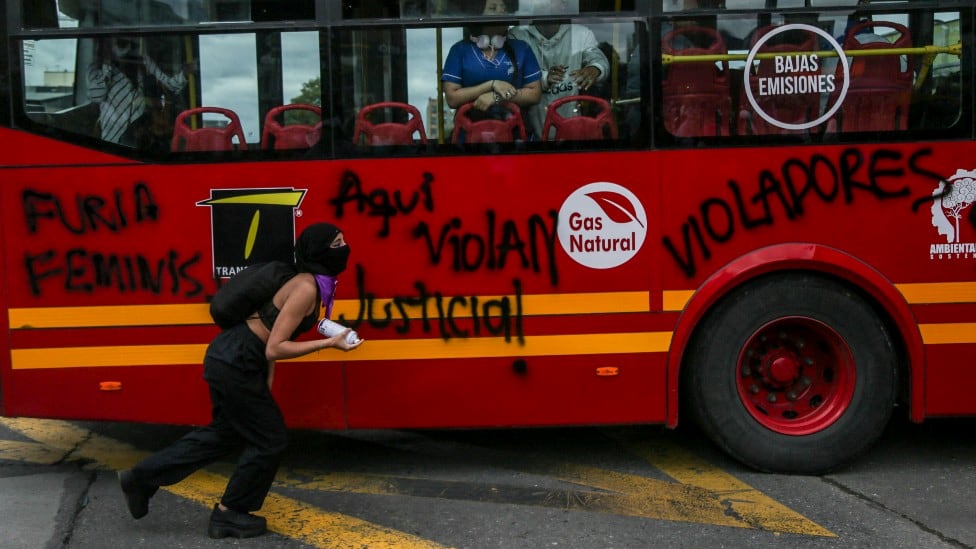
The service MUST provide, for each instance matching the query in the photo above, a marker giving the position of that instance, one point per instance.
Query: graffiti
(81, 270)
(84, 270)
(490, 249)
(91, 211)
(785, 194)
(441, 314)
(379, 202)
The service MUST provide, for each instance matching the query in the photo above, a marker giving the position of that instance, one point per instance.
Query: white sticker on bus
(950, 200)
(786, 83)
(602, 225)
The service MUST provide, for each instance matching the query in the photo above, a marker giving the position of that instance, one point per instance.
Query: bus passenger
(571, 63)
(239, 369)
(119, 81)
(487, 69)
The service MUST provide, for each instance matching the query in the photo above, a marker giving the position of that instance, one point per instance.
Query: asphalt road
(573, 488)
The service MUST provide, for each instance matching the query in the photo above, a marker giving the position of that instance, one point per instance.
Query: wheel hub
(796, 375)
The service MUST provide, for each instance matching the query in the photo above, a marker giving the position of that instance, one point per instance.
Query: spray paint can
(329, 328)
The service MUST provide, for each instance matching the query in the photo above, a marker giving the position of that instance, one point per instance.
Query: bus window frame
(329, 25)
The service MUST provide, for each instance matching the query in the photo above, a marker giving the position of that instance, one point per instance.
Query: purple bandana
(327, 285)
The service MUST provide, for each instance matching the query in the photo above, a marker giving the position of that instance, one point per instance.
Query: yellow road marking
(286, 516)
(29, 452)
(755, 508)
(702, 493)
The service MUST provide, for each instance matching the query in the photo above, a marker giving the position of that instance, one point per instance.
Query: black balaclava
(314, 252)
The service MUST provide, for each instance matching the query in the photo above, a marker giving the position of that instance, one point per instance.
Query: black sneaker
(231, 523)
(136, 494)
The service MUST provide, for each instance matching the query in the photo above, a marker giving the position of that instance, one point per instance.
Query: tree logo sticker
(949, 202)
(602, 225)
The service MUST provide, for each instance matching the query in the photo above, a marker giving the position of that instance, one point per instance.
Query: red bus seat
(389, 132)
(600, 125)
(282, 135)
(795, 108)
(200, 138)
(880, 91)
(488, 130)
(696, 94)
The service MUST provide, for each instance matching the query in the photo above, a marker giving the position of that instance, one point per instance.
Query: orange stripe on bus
(938, 292)
(381, 349)
(915, 294)
(940, 334)
(198, 313)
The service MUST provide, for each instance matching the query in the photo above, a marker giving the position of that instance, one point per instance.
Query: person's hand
(504, 90)
(484, 101)
(339, 341)
(586, 77)
(556, 75)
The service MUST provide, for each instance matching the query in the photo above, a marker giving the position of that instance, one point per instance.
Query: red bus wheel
(796, 376)
(791, 373)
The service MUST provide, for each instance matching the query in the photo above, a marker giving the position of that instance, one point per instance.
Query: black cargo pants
(244, 415)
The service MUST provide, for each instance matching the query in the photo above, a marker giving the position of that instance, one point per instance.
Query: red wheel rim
(796, 376)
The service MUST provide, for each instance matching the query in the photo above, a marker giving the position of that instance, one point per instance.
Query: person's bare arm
(300, 300)
(480, 93)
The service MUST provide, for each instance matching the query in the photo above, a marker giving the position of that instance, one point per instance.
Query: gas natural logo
(602, 225)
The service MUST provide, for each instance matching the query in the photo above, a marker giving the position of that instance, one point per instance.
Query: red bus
(758, 218)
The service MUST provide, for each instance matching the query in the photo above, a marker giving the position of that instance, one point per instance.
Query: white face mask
(496, 41)
(121, 48)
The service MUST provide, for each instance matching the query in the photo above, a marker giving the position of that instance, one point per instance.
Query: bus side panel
(571, 390)
(174, 394)
(5, 347)
(112, 267)
(878, 203)
(950, 381)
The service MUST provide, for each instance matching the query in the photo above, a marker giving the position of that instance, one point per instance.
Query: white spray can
(329, 328)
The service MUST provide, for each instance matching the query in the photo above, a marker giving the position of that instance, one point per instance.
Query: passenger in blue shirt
(488, 69)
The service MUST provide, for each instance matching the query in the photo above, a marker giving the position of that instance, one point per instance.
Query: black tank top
(268, 313)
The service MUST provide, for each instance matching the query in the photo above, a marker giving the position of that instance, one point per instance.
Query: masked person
(239, 370)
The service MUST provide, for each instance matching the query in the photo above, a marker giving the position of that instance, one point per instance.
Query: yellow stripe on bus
(914, 294)
(941, 334)
(938, 292)
(198, 313)
(381, 349)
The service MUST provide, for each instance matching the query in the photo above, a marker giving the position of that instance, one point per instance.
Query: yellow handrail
(955, 49)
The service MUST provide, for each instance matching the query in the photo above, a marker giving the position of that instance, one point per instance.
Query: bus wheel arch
(748, 284)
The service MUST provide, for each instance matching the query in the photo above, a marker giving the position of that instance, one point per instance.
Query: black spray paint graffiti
(470, 251)
(436, 312)
(85, 270)
(379, 202)
(783, 195)
(462, 248)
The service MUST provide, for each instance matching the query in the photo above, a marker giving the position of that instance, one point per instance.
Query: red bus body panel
(473, 312)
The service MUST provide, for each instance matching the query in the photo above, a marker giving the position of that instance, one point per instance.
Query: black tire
(792, 373)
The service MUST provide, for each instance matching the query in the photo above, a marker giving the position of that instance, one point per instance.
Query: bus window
(284, 70)
(129, 90)
(808, 75)
(125, 89)
(115, 13)
(403, 70)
